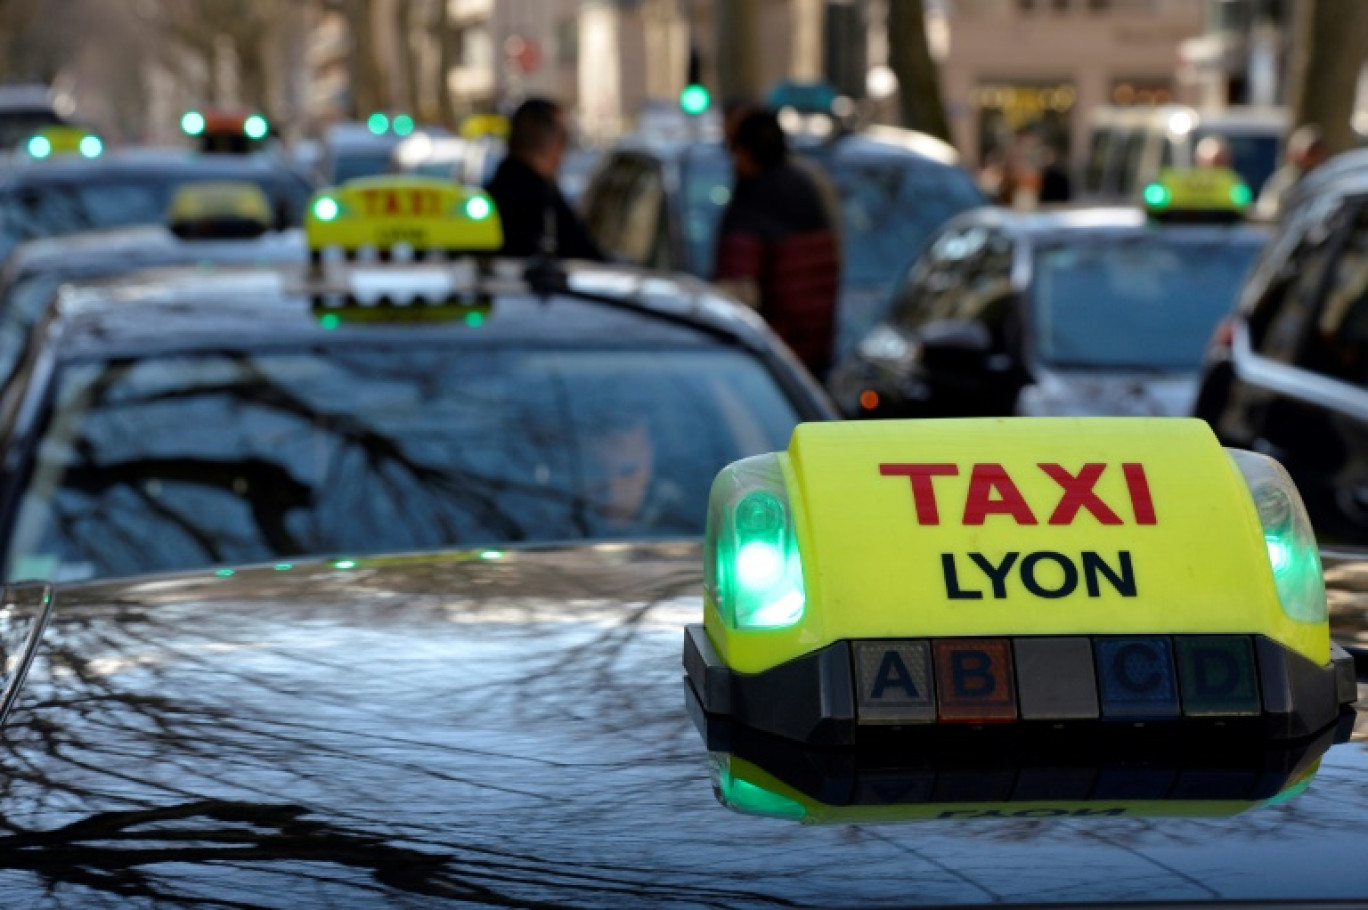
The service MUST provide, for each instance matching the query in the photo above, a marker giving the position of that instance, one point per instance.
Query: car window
(1279, 320)
(606, 201)
(1096, 169)
(986, 296)
(1337, 344)
(1143, 303)
(890, 208)
(47, 209)
(1132, 158)
(183, 462)
(936, 278)
(642, 237)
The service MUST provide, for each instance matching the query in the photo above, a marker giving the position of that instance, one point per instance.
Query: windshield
(48, 208)
(890, 206)
(350, 165)
(1253, 156)
(184, 462)
(18, 126)
(1146, 303)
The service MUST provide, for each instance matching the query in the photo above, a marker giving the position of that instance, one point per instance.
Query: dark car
(1288, 375)
(1072, 312)
(70, 194)
(659, 204)
(508, 728)
(36, 269)
(191, 417)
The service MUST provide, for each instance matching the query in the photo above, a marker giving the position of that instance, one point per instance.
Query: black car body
(36, 269)
(71, 194)
(510, 729)
(1288, 376)
(1090, 311)
(659, 204)
(181, 418)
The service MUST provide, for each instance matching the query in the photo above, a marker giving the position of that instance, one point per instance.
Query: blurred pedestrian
(1213, 151)
(1306, 151)
(1055, 185)
(536, 218)
(735, 109)
(776, 248)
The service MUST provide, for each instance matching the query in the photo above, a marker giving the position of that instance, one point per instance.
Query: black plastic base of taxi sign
(867, 691)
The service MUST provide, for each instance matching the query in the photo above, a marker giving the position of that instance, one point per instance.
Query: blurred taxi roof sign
(479, 125)
(219, 209)
(426, 215)
(1197, 194)
(56, 141)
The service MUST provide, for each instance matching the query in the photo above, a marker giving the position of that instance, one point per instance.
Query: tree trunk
(738, 62)
(366, 80)
(446, 59)
(1331, 42)
(919, 94)
(410, 56)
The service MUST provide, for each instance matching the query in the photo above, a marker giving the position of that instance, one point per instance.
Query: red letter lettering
(985, 479)
(1139, 493)
(923, 493)
(1078, 494)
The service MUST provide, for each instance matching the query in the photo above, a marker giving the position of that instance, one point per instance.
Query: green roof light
(91, 146)
(39, 147)
(474, 320)
(695, 99)
(378, 123)
(225, 573)
(193, 123)
(1157, 196)
(491, 554)
(1240, 195)
(283, 566)
(478, 208)
(403, 125)
(255, 127)
(325, 208)
(330, 321)
(344, 564)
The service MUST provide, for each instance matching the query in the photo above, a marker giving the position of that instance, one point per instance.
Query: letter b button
(974, 680)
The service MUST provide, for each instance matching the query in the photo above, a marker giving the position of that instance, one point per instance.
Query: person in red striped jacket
(777, 249)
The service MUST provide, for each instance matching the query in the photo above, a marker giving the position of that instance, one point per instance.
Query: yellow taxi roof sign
(423, 213)
(1013, 569)
(56, 141)
(1196, 190)
(219, 208)
(479, 125)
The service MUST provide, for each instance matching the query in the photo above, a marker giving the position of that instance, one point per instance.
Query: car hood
(1058, 393)
(509, 728)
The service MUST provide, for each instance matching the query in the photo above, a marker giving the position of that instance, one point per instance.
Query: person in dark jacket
(536, 218)
(776, 246)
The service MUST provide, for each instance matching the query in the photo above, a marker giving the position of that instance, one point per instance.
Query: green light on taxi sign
(193, 123)
(403, 125)
(753, 799)
(694, 99)
(1240, 195)
(344, 564)
(255, 127)
(91, 147)
(225, 573)
(325, 208)
(378, 124)
(478, 208)
(1157, 196)
(329, 321)
(39, 147)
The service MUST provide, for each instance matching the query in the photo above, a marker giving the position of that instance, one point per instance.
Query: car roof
(142, 245)
(158, 311)
(873, 142)
(509, 727)
(1088, 222)
(139, 161)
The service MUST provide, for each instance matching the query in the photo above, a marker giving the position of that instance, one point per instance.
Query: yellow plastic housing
(1155, 519)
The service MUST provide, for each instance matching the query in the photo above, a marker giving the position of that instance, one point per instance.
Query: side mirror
(955, 344)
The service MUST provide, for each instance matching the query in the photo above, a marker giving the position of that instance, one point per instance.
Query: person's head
(760, 144)
(537, 136)
(1306, 148)
(1213, 151)
(734, 110)
(621, 462)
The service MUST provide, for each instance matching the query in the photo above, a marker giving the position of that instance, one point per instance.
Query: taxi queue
(269, 408)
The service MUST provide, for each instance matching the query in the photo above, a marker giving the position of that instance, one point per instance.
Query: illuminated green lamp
(403, 125)
(325, 208)
(193, 123)
(255, 127)
(695, 99)
(1157, 196)
(1241, 195)
(39, 147)
(478, 208)
(761, 570)
(378, 124)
